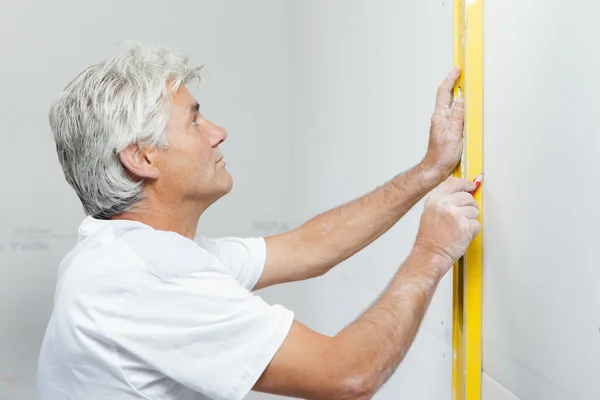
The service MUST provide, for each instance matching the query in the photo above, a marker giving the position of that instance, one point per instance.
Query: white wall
(244, 47)
(356, 81)
(364, 77)
(542, 276)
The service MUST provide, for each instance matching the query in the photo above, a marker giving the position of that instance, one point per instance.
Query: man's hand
(449, 221)
(446, 134)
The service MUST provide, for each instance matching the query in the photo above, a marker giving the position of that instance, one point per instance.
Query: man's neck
(181, 218)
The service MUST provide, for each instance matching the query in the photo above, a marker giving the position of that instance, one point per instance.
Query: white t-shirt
(146, 314)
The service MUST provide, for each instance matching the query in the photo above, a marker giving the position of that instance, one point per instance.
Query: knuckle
(457, 118)
(453, 213)
(438, 205)
(445, 199)
(463, 226)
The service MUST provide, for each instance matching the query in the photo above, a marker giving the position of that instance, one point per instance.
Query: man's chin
(224, 187)
(227, 183)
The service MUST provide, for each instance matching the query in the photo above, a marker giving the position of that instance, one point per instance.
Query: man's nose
(218, 134)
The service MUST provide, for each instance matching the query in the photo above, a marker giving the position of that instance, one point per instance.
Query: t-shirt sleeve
(244, 258)
(203, 330)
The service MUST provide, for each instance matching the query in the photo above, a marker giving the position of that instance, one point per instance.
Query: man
(141, 311)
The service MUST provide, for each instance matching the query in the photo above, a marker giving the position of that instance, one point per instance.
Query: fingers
(454, 185)
(444, 93)
(470, 212)
(457, 117)
(475, 227)
(463, 199)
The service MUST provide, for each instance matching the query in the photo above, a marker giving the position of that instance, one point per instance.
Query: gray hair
(109, 106)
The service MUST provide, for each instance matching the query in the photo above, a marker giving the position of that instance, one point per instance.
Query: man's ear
(140, 161)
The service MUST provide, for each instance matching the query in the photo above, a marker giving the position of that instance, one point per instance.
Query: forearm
(378, 340)
(336, 235)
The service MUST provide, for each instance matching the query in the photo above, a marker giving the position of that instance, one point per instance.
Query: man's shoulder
(168, 255)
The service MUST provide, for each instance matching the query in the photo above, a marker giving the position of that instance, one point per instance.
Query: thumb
(454, 185)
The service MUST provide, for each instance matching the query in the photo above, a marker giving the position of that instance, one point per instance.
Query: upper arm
(255, 262)
(278, 254)
(311, 366)
(287, 260)
(261, 262)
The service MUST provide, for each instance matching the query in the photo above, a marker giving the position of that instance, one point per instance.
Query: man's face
(192, 168)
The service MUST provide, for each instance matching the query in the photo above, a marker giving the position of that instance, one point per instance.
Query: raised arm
(359, 359)
(332, 237)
